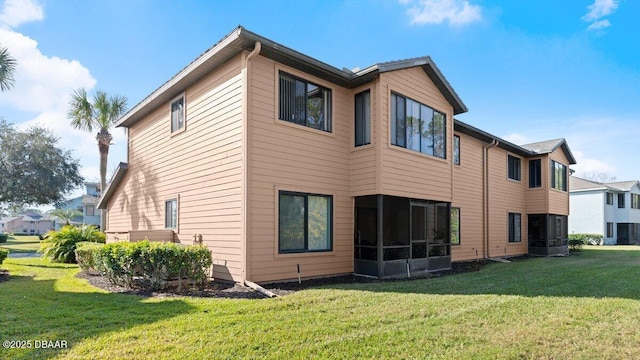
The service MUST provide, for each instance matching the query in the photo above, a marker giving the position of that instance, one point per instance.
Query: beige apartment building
(278, 162)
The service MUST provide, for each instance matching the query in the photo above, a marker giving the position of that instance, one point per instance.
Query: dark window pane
(413, 125)
(177, 114)
(456, 150)
(363, 118)
(514, 227)
(455, 226)
(426, 119)
(292, 222)
(419, 250)
(513, 167)
(621, 201)
(535, 173)
(400, 122)
(304, 103)
(319, 226)
(439, 135)
(396, 253)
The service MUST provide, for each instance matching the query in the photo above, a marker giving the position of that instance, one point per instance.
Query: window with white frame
(362, 118)
(177, 114)
(171, 214)
(558, 176)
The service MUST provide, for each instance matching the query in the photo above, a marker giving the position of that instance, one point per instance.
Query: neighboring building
(29, 224)
(608, 209)
(86, 204)
(277, 161)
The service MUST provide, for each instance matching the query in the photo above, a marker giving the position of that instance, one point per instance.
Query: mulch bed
(4, 275)
(227, 289)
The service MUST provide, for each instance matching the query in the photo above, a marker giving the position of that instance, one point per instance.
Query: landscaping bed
(228, 289)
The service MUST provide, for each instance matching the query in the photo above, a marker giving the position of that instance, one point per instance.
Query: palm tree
(66, 214)
(7, 68)
(100, 114)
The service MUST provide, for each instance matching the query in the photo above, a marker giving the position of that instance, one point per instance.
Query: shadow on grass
(33, 310)
(594, 274)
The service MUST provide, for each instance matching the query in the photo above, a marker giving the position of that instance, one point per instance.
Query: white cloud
(43, 85)
(587, 165)
(17, 12)
(517, 139)
(456, 12)
(600, 8)
(600, 24)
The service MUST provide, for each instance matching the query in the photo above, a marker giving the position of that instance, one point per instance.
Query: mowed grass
(584, 306)
(22, 244)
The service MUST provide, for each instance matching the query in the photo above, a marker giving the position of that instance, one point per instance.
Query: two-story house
(86, 204)
(279, 162)
(608, 209)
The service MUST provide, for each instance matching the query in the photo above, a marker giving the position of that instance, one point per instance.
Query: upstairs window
(621, 201)
(558, 176)
(91, 210)
(635, 201)
(609, 198)
(304, 103)
(417, 127)
(456, 150)
(363, 118)
(513, 168)
(177, 114)
(535, 173)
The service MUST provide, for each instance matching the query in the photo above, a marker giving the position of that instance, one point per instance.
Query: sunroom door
(419, 226)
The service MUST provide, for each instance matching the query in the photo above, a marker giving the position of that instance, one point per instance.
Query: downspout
(245, 162)
(485, 195)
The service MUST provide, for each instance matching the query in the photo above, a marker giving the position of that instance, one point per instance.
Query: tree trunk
(104, 141)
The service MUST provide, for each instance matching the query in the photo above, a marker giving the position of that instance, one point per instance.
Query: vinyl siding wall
(505, 196)
(468, 196)
(200, 167)
(290, 157)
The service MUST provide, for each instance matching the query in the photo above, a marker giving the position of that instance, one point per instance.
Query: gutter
(245, 161)
(485, 195)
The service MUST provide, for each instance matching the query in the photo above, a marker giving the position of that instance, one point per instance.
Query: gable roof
(549, 146)
(580, 184)
(529, 150)
(577, 184)
(241, 39)
(623, 185)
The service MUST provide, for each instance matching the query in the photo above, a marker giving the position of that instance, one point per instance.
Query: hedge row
(3, 254)
(147, 265)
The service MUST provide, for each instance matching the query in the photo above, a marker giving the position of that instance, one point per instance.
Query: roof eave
(113, 184)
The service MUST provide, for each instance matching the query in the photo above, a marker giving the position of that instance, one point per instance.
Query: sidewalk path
(23, 255)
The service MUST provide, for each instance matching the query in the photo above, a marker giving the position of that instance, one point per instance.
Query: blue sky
(527, 70)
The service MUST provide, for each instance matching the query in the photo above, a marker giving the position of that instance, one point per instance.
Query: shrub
(60, 245)
(86, 254)
(575, 245)
(3, 254)
(152, 265)
(586, 239)
(4, 238)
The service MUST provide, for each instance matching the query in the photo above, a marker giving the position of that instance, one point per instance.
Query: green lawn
(584, 306)
(22, 244)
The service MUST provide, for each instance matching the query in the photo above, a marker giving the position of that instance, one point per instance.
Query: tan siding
(537, 198)
(468, 196)
(405, 172)
(288, 157)
(558, 200)
(363, 159)
(201, 166)
(505, 196)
